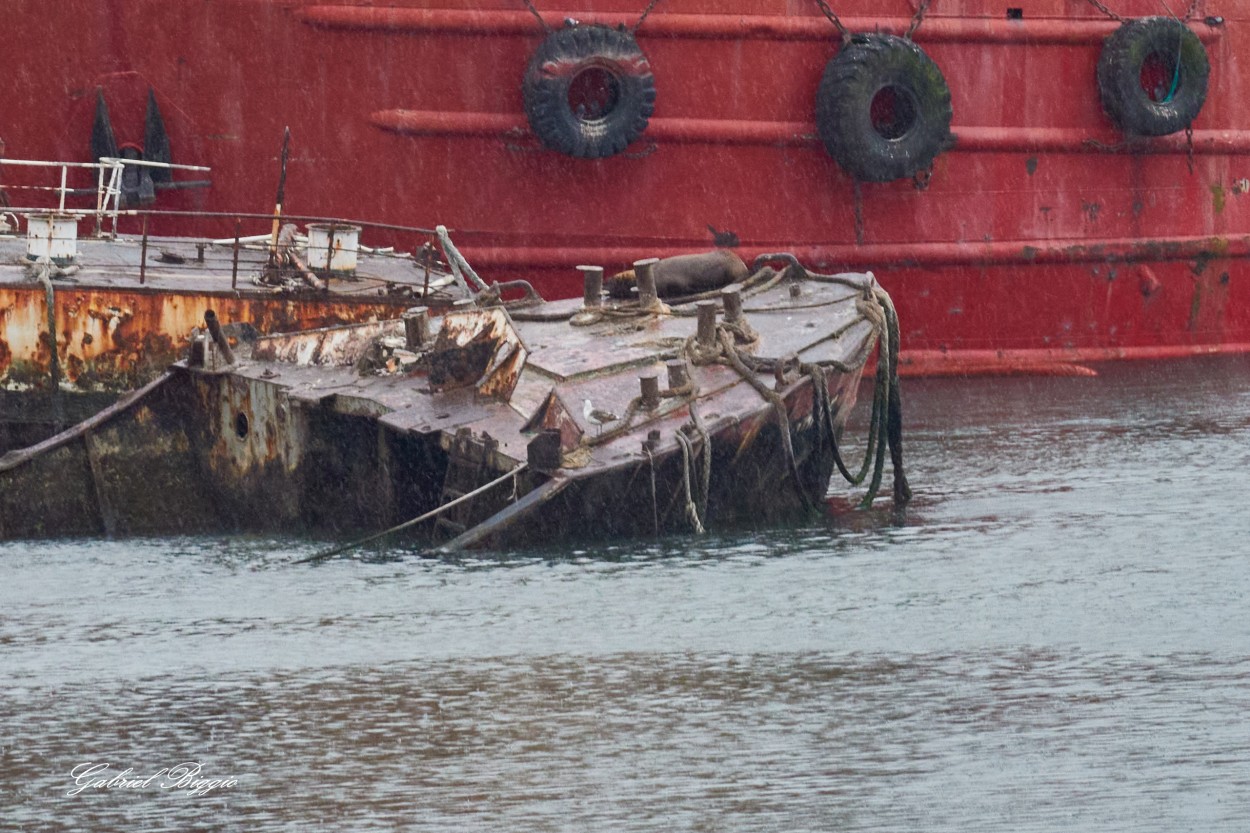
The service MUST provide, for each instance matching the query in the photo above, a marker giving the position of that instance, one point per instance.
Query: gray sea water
(1052, 637)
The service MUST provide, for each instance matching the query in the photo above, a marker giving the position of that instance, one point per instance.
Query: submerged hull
(470, 428)
(1042, 236)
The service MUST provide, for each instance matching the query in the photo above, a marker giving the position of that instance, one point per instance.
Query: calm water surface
(1053, 637)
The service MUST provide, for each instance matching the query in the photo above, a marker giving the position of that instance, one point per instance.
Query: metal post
(219, 338)
(234, 265)
(592, 286)
(416, 327)
(706, 311)
(649, 385)
(731, 297)
(644, 274)
(143, 252)
(677, 376)
(330, 248)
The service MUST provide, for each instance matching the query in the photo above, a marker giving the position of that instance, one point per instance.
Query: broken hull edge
(175, 458)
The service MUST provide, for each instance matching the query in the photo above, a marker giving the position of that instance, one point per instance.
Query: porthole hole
(893, 112)
(241, 425)
(593, 94)
(1159, 76)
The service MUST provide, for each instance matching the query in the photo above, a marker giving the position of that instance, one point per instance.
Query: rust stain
(477, 347)
(1217, 197)
(115, 340)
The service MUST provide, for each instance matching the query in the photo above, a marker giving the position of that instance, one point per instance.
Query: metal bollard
(219, 338)
(416, 327)
(649, 385)
(644, 274)
(706, 311)
(677, 376)
(592, 286)
(731, 298)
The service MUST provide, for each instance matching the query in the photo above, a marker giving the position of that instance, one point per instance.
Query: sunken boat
(89, 310)
(494, 423)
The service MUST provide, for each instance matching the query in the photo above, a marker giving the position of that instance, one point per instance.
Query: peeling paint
(1217, 197)
(115, 340)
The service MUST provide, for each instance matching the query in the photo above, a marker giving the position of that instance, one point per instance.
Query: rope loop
(696, 503)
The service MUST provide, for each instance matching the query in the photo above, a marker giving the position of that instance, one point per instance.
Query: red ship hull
(1042, 237)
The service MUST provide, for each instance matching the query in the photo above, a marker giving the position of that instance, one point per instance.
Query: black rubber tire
(1126, 101)
(560, 59)
(844, 103)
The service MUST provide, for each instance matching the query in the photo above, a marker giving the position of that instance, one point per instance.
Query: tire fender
(588, 91)
(883, 108)
(1152, 76)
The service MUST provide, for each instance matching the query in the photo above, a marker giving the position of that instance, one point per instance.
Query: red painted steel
(1042, 229)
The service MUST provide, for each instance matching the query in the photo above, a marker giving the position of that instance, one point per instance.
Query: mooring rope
(692, 511)
(433, 513)
(885, 425)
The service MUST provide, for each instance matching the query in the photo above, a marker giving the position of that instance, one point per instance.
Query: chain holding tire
(1102, 8)
(833, 18)
(529, 4)
(917, 18)
(542, 23)
(1189, 13)
(645, 12)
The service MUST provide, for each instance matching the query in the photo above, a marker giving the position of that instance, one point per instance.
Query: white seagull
(595, 416)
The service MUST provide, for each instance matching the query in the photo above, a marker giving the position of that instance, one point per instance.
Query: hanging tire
(883, 108)
(1152, 76)
(588, 91)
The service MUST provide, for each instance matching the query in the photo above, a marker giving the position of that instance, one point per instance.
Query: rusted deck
(125, 310)
(612, 421)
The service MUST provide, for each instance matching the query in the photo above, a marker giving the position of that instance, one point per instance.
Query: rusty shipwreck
(491, 424)
(88, 312)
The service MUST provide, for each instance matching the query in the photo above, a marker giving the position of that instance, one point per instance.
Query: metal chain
(1097, 5)
(918, 18)
(650, 6)
(1193, 7)
(529, 5)
(833, 18)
